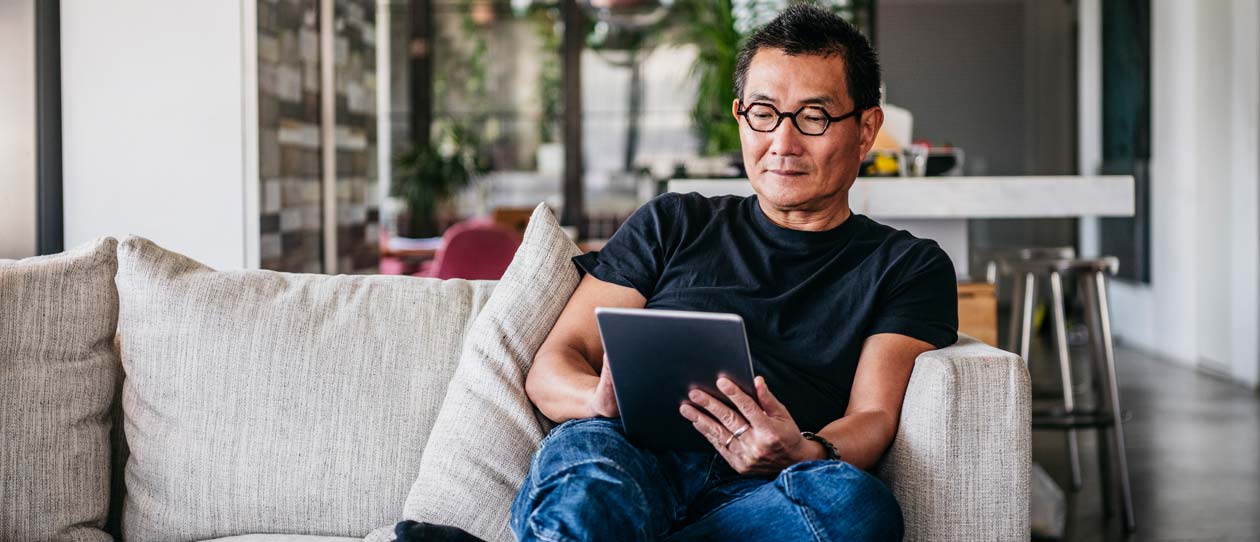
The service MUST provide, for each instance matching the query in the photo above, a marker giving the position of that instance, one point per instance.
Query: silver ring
(735, 435)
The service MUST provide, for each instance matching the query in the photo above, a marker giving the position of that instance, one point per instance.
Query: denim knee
(586, 437)
(592, 480)
(842, 502)
(607, 426)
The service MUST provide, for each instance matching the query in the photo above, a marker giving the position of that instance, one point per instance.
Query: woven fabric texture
(58, 376)
(488, 430)
(961, 462)
(264, 402)
(283, 538)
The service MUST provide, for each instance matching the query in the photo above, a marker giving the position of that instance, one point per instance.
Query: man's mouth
(787, 172)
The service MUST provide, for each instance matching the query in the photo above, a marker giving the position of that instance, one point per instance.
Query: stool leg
(1065, 373)
(1017, 312)
(1025, 331)
(1109, 357)
(1103, 437)
(1097, 354)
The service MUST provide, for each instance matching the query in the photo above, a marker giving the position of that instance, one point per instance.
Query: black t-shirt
(808, 299)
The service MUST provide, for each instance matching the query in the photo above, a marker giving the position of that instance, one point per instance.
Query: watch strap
(832, 452)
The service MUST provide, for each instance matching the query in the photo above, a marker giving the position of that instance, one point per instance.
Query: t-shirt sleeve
(635, 255)
(922, 300)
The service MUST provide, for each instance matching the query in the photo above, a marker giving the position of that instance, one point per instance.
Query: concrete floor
(1193, 448)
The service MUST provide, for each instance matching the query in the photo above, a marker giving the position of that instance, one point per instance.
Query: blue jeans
(587, 482)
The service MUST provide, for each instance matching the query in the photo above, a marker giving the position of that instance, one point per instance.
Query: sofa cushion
(488, 430)
(264, 402)
(284, 538)
(58, 376)
(961, 461)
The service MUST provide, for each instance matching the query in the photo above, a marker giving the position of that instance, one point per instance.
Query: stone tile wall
(291, 199)
(358, 214)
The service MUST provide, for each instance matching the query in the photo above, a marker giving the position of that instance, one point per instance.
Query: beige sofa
(146, 397)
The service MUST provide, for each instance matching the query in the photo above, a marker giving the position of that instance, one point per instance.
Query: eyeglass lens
(765, 118)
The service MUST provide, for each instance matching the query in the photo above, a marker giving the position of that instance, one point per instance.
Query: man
(837, 308)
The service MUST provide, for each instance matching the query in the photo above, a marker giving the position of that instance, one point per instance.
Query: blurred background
(415, 136)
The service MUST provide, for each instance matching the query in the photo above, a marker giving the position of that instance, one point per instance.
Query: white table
(938, 207)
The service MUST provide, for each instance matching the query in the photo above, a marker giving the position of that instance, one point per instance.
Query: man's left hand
(766, 439)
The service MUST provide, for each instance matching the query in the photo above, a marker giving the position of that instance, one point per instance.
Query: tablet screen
(658, 356)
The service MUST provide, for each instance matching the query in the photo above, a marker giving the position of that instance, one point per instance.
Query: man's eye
(814, 118)
(762, 116)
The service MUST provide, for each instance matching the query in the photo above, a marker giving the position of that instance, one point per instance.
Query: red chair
(475, 249)
(392, 265)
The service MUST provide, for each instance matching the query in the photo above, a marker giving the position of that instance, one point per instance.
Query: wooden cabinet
(977, 311)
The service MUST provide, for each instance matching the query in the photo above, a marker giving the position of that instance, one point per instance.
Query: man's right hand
(603, 402)
(567, 381)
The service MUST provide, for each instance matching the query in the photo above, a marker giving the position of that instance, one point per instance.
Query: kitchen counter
(966, 197)
(938, 207)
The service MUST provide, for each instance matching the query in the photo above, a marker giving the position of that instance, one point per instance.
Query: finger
(713, 432)
(769, 402)
(606, 387)
(745, 403)
(605, 377)
(708, 427)
(604, 401)
(729, 419)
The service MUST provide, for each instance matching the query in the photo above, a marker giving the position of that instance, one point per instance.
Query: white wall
(1212, 185)
(17, 128)
(154, 138)
(1202, 307)
(1089, 110)
(1244, 201)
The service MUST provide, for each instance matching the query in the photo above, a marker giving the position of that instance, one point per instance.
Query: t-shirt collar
(840, 233)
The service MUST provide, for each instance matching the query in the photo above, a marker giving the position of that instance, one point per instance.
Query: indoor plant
(428, 175)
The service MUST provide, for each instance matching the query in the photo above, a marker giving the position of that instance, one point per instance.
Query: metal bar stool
(1090, 275)
(1024, 269)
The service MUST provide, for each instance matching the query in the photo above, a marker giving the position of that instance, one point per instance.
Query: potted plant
(717, 28)
(427, 176)
(710, 26)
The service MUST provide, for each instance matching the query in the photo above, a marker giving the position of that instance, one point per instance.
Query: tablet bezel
(650, 416)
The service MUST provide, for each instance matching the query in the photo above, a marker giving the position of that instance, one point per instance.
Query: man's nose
(786, 140)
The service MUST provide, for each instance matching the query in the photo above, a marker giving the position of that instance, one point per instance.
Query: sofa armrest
(961, 461)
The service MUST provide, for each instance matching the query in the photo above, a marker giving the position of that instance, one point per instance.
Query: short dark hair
(806, 29)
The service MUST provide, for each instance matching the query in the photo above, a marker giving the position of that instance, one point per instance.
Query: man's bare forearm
(861, 437)
(561, 383)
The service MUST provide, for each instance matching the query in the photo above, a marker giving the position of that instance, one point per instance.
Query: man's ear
(735, 109)
(872, 121)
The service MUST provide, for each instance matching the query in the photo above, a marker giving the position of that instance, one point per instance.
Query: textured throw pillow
(58, 375)
(487, 431)
(264, 402)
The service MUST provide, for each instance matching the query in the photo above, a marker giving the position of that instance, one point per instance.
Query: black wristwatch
(832, 452)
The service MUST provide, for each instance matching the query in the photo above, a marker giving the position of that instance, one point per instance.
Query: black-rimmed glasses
(810, 120)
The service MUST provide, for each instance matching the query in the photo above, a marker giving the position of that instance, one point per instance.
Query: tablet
(658, 356)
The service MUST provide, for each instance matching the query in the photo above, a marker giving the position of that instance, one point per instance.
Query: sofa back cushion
(488, 429)
(264, 402)
(58, 376)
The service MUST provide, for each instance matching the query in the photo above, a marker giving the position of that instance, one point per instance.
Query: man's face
(788, 169)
